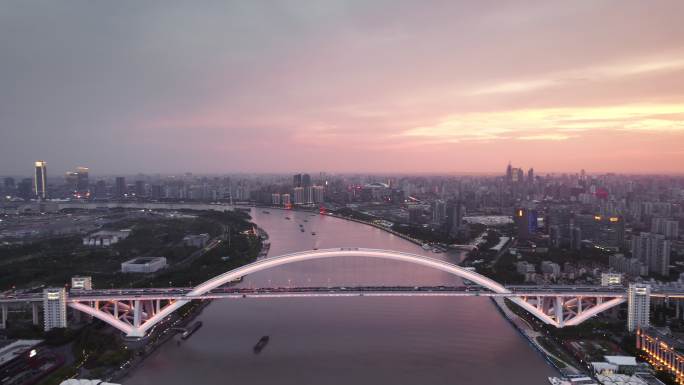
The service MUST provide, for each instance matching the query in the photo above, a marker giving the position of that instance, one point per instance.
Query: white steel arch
(563, 311)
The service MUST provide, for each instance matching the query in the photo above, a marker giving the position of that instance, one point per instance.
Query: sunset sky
(348, 86)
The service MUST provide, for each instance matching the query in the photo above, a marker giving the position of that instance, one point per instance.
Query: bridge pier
(3, 317)
(34, 313)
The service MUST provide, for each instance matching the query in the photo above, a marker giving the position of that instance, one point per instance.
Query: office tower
(654, 251)
(520, 175)
(297, 180)
(54, 304)
(275, 199)
(82, 182)
(120, 186)
(530, 176)
(526, 222)
(638, 306)
(40, 180)
(509, 173)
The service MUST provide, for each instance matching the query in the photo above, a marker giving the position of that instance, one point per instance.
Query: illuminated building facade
(40, 180)
(54, 303)
(638, 306)
(662, 351)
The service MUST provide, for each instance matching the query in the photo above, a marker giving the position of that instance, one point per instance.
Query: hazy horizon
(360, 87)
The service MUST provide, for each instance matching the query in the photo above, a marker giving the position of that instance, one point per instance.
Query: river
(343, 341)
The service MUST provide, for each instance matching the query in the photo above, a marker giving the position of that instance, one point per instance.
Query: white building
(82, 283)
(275, 199)
(196, 240)
(54, 305)
(611, 279)
(638, 306)
(106, 238)
(143, 265)
(298, 195)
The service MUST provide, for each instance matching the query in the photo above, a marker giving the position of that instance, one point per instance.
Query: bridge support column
(136, 314)
(3, 317)
(558, 308)
(34, 313)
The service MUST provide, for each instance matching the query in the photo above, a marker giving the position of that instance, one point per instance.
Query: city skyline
(452, 88)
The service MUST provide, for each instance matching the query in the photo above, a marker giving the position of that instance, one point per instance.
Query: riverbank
(527, 332)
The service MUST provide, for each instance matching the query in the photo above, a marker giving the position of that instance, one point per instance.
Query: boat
(313, 233)
(306, 220)
(288, 218)
(426, 246)
(192, 329)
(266, 212)
(302, 230)
(261, 344)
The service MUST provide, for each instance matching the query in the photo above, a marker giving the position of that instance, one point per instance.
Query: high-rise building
(306, 180)
(298, 195)
(638, 306)
(285, 199)
(120, 186)
(526, 222)
(297, 180)
(667, 227)
(318, 194)
(654, 251)
(140, 188)
(530, 176)
(82, 182)
(275, 199)
(439, 211)
(54, 305)
(455, 211)
(415, 212)
(308, 194)
(40, 180)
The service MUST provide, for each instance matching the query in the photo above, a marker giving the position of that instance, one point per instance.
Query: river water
(343, 341)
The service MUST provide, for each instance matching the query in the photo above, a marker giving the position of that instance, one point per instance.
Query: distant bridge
(135, 311)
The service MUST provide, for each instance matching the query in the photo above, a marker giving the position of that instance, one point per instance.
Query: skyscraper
(454, 216)
(306, 180)
(638, 306)
(120, 186)
(40, 180)
(82, 182)
(297, 180)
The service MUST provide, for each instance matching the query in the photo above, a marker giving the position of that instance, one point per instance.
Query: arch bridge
(135, 311)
